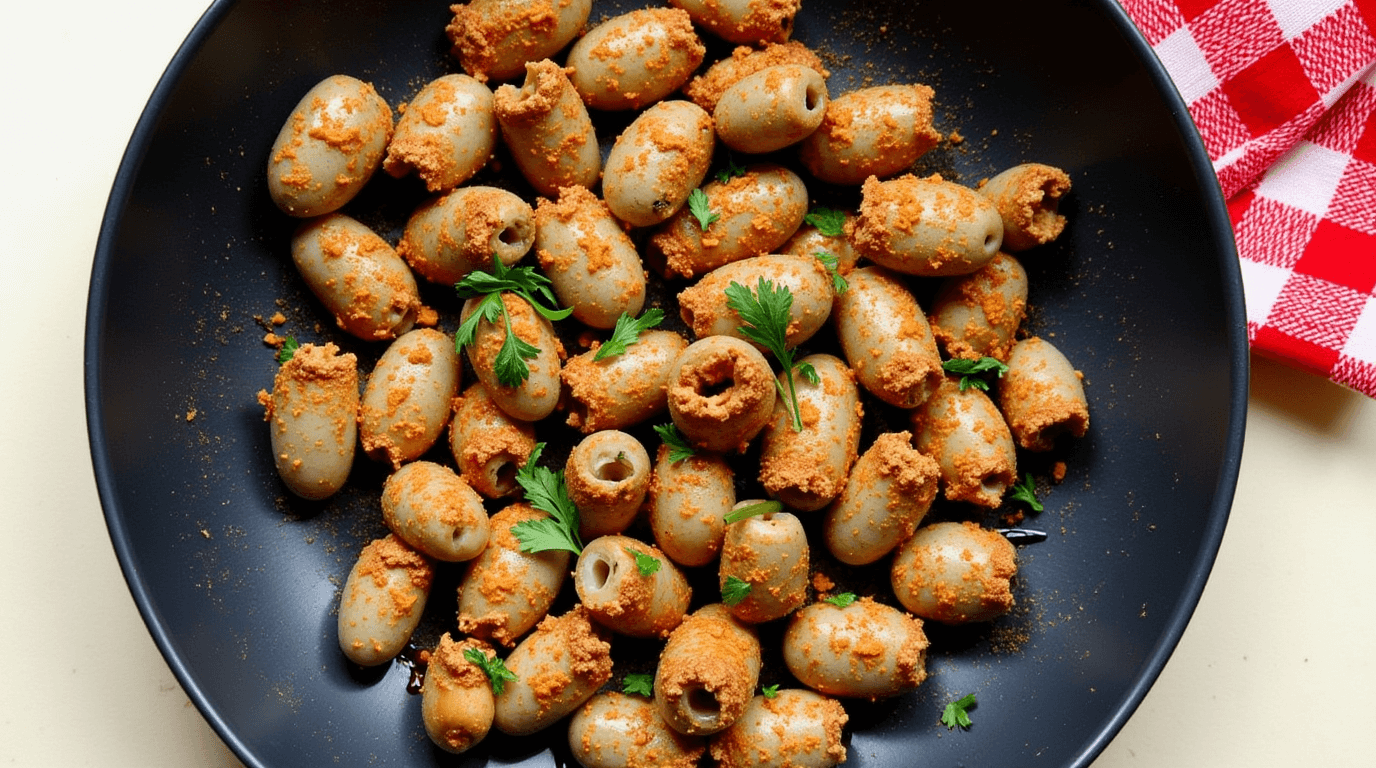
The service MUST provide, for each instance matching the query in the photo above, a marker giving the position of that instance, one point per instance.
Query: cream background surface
(1278, 667)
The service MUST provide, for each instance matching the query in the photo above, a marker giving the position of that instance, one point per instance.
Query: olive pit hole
(992, 486)
(504, 474)
(702, 704)
(511, 235)
(812, 98)
(602, 572)
(616, 470)
(714, 388)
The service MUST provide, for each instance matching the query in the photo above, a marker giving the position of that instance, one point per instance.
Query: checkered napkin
(1284, 95)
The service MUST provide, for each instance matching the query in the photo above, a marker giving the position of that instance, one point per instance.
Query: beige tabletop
(1278, 667)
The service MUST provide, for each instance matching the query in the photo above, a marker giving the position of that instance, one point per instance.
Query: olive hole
(510, 236)
(990, 242)
(712, 389)
(601, 572)
(615, 471)
(505, 474)
(703, 704)
(812, 99)
(993, 486)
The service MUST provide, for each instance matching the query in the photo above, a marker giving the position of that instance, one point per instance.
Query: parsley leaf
(971, 371)
(955, 714)
(827, 221)
(734, 590)
(831, 262)
(730, 171)
(765, 313)
(1025, 491)
(679, 447)
(640, 685)
(701, 209)
(288, 350)
(763, 508)
(770, 691)
(510, 364)
(545, 491)
(627, 332)
(648, 565)
(842, 600)
(493, 667)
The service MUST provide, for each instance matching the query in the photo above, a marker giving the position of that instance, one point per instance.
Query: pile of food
(759, 273)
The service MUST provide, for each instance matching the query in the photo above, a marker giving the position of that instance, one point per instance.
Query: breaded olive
(721, 393)
(406, 404)
(449, 236)
(707, 672)
(864, 650)
(557, 668)
(383, 599)
(966, 434)
(534, 397)
(489, 446)
(977, 315)
(614, 730)
(635, 59)
(456, 703)
(794, 728)
(769, 552)
(608, 475)
(1027, 197)
(446, 134)
(886, 338)
(771, 109)
(630, 587)
(357, 276)
(955, 573)
(312, 415)
(756, 213)
(658, 161)
(435, 511)
(688, 500)
(806, 468)
(329, 147)
(744, 21)
(590, 261)
(548, 131)
(876, 131)
(1042, 396)
(495, 38)
(505, 591)
(620, 390)
(890, 489)
(706, 89)
(927, 227)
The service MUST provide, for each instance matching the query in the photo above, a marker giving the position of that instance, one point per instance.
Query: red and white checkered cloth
(1284, 95)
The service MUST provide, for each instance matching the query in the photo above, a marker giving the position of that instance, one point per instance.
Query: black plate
(237, 582)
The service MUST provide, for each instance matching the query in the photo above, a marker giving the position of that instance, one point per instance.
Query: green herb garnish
(770, 691)
(510, 365)
(838, 283)
(765, 313)
(648, 565)
(827, 221)
(955, 715)
(971, 372)
(734, 590)
(763, 508)
(1025, 491)
(842, 600)
(545, 491)
(731, 171)
(699, 206)
(639, 685)
(679, 447)
(288, 350)
(627, 332)
(493, 667)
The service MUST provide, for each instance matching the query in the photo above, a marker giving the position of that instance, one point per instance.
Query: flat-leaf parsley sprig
(701, 208)
(971, 372)
(545, 491)
(679, 447)
(495, 669)
(627, 332)
(829, 222)
(510, 365)
(956, 713)
(766, 312)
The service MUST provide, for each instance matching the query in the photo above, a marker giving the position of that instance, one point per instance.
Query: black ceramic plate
(237, 581)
